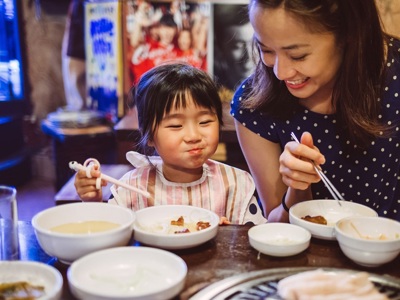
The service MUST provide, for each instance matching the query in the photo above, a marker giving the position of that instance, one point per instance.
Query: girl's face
(185, 139)
(307, 62)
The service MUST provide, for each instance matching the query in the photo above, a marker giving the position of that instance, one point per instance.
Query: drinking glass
(9, 246)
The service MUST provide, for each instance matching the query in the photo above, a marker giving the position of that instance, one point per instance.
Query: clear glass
(9, 245)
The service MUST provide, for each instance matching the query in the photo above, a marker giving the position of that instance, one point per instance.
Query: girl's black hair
(168, 86)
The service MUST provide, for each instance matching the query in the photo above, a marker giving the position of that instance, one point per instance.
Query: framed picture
(232, 40)
(104, 69)
(161, 31)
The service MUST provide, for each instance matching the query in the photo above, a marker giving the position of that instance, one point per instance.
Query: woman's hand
(86, 187)
(296, 167)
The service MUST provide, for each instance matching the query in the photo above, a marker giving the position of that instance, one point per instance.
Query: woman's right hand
(296, 167)
(86, 187)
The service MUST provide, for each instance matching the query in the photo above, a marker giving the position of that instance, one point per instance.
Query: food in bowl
(316, 219)
(175, 226)
(318, 284)
(70, 245)
(85, 227)
(330, 210)
(21, 290)
(369, 241)
(29, 280)
(180, 226)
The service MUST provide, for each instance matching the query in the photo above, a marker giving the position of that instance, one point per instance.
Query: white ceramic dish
(330, 210)
(127, 273)
(68, 247)
(36, 274)
(369, 241)
(152, 225)
(279, 239)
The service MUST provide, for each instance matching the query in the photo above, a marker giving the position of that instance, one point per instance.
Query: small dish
(34, 273)
(127, 273)
(367, 241)
(152, 226)
(330, 210)
(279, 239)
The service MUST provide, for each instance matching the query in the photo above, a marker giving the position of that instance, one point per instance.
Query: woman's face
(306, 61)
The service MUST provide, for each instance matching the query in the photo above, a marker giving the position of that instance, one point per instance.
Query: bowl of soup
(70, 231)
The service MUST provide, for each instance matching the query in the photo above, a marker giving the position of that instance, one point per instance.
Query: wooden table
(227, 255)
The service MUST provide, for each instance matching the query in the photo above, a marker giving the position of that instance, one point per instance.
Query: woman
(329, 74)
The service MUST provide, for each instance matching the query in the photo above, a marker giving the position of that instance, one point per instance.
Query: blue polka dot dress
(370, 177)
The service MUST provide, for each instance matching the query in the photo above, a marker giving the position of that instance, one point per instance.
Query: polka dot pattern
(371, 176)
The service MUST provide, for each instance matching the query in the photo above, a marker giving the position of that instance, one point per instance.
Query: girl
(180, 114)
(334, 82)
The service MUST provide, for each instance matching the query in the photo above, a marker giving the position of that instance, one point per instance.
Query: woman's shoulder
(243, 89)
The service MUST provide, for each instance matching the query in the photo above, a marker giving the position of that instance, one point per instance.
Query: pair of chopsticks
(86, 167)
(334, 192)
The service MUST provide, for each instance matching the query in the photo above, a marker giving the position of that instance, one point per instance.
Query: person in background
(232, 44)
(179, 115)
(73, 57)
(330, 74)
(155, 48)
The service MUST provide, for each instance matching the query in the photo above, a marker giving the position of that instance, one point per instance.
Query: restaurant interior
(43, 128)
(36, 155)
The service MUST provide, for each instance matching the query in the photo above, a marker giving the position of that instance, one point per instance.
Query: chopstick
(77, 166)
(329, 185)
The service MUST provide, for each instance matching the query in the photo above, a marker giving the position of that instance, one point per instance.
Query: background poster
(160, 31)
(104, 70)
(232, 52)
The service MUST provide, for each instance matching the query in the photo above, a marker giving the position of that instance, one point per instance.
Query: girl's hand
(295, 163)
(224, 221)
(86, 187)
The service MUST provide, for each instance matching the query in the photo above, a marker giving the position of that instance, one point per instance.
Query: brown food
(202, 225)
(316, 219)
(184, 230)
(179, 222)
(20, 291)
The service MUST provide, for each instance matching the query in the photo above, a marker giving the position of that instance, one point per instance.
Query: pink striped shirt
(226, 190)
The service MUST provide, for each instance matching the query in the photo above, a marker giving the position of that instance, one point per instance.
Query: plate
(260, 285)
(152, 226)
(127, 273)
(36, 274)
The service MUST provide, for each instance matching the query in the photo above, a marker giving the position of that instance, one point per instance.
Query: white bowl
(68, 247)
(330, 210)
(152, 225)
(369, 241)
(36, 274)
(279, 239)
(127, 273)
